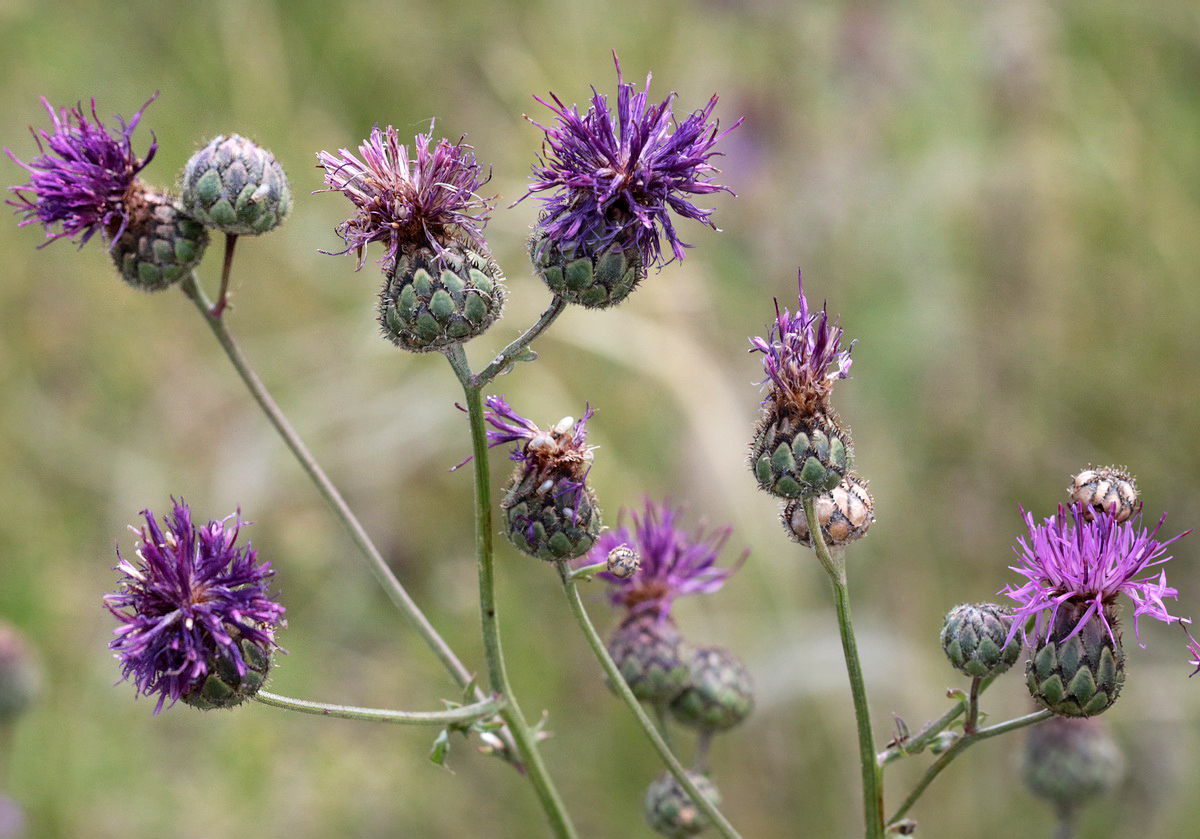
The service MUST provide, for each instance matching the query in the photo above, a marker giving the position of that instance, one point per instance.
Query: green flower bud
(671, 812)
(236, 186)
(651, 656)
(1081, 675)
(799, 457)
(718, 693)
(595, 279)
(1069, 762)
(973, 638)
(160, 244)
(225, 687)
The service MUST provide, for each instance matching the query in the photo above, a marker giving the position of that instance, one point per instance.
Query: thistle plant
(196, 612)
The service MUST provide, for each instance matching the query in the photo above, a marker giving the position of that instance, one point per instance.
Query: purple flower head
(1068, 558)
(802, 355)
(191, 597)
(79, 182)
(405, 202)
(561, 450)
(674, 562)
(615, 177)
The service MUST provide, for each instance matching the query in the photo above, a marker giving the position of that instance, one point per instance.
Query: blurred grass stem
(617, 682)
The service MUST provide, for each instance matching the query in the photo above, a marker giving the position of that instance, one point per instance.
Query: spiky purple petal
(183, 601)
(407, 202)
(79, 182)
(614, 178)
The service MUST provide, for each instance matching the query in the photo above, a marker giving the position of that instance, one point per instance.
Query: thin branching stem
(510, 353)
(458, 716)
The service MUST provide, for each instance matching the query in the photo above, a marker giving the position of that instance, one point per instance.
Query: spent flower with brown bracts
(192, 606)
(674, 561)
(549, 510)
(80, 182)
(1069, 559)
(406, 202)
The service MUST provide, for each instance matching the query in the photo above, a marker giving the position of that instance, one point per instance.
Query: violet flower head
(1068, 558)
(562, 448)
(802, 355)
(407, 202)
(615, 177)
(674, 562)
(79, 182)
(190, 598)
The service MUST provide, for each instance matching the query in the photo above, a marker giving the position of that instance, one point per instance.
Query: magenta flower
(615, 178)
(802, 354)
(190, 598)
(1068, 558)
(403, 202)
(79, 182)
(674, 563)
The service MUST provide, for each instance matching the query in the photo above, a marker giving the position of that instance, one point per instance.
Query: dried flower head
(191, 597)
(615, 177)
(562, 449)
(674, 563)
(1069, 560)
(802, 357)
(406, 203)
(80, 180)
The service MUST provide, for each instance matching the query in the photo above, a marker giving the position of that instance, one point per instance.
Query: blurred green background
(1002, 201)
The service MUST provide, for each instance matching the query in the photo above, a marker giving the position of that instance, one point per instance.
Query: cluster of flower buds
(86, 180)
(1069, 762)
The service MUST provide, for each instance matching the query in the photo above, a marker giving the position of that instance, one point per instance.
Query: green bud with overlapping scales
(1071, 761)
(795, 456)
(651, 655)
(236, 186)
(975, 639)
(671, 812)
(1080, 674)
(160, 245)
(225, 687)
(579, 273)
(548, 518)
(718, 694)
(433, 300)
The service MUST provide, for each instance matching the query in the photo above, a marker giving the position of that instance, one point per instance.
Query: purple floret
(802, 354)
(191, 597)
(79, 182)
(1068, 558)
(674, 562)
(510, 427)
(615, 177)
(405, 202)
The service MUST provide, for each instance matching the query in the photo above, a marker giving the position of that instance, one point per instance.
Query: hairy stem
(618, 683)
(526, 742)
(872, 774)
(517, 347)
(462, 715)
(961, 745)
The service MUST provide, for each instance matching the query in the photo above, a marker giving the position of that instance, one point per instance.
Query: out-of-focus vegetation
(1001, 199)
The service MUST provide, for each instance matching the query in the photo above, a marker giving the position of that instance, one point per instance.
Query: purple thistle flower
(82, 177)
(1068, 558)
(192, 597)
(615, 177)
(802, 355)
(673, 562)
(405, 202)
(565, 443)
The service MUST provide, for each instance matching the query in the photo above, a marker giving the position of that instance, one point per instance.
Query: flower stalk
(458, 716)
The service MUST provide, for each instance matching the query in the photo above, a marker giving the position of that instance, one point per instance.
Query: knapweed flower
(79, 183)
(195, 611)
(549, 510)
(407, 203)
(674, 561)
(800, 447)
(614, 180)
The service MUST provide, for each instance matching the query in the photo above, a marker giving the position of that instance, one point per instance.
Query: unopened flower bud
(436, 300)
(671, 812)
(651, 656)
(845, 513)
(1107, 490)
(623, 562)
(718, 694)
(236, 186)
(1080, 675)
(973, 638)
(1069, 762)
(20, 675)
(160, 245)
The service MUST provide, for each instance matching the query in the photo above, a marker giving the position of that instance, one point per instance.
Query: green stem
(329, 492)
(617, 681)
(918, 742)
(517, 347)
(226, 271)
(462, 715)
(960, 745)
(560, 821)
(872, 774)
